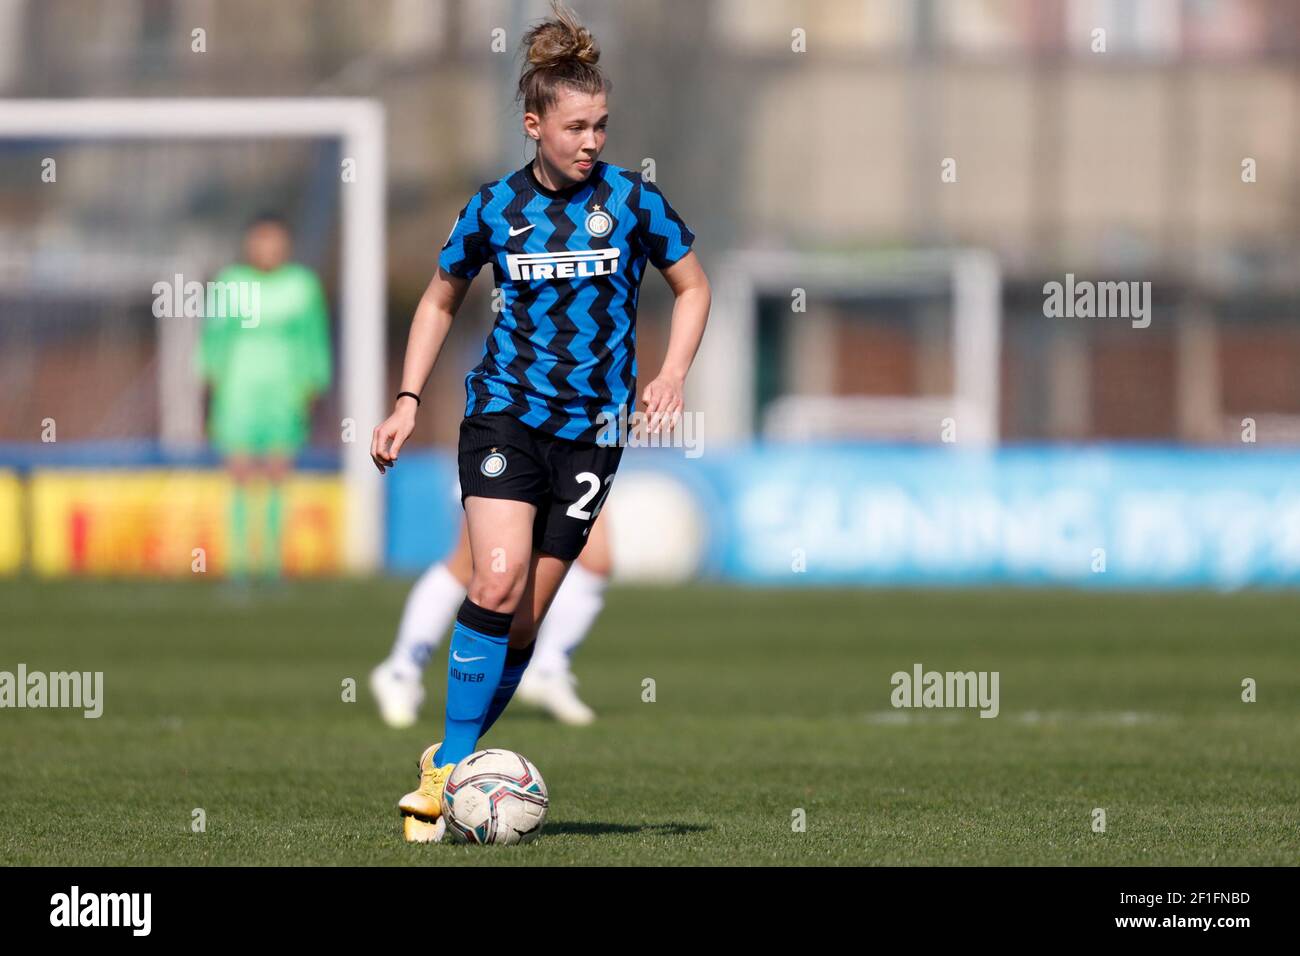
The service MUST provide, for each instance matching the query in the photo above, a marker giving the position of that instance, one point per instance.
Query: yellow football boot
(422, 808)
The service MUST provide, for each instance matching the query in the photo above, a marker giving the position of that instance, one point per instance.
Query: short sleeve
(663, 233)
(467, 247)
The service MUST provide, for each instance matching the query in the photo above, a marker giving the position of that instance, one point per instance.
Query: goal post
(358, 124)
(968, 280)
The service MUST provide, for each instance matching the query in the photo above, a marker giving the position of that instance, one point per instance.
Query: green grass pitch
(766, 702)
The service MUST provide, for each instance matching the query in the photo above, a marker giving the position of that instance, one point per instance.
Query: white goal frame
(359, 125)
(728, 364)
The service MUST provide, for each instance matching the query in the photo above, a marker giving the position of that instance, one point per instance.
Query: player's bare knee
(496, 590)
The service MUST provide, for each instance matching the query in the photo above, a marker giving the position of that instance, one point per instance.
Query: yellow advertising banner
(174, 523)
(11, 522)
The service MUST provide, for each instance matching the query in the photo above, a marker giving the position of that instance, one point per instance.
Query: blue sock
(474, 665)
(516, 663)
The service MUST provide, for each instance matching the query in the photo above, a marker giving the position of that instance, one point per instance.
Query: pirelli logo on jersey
(563, 265)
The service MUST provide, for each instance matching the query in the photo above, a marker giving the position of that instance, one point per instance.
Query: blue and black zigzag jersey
(569, 264)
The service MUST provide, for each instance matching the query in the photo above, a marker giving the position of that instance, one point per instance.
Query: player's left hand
(663, 402)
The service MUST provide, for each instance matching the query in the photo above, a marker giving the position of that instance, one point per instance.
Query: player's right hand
(389, 437)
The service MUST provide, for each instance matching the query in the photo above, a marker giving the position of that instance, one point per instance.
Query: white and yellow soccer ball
(494, 796)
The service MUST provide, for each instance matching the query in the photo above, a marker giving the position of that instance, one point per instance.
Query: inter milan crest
(599, 222)
(493, 465)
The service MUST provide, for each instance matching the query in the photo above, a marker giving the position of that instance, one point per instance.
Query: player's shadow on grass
(576, 828)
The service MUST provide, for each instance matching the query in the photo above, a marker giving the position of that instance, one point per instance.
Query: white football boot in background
(554, 692)
(399, 694)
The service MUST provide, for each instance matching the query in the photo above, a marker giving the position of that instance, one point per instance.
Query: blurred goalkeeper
(265, 350)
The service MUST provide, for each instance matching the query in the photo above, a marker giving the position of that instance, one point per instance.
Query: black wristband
(413, 395)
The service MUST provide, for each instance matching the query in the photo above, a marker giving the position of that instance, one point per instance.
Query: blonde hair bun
(561, 54)
(560, 39)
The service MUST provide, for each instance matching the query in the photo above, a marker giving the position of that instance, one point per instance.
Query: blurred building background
(1116, 165)
(811, 128)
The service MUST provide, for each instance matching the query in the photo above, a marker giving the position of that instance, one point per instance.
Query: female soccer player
(568, 237)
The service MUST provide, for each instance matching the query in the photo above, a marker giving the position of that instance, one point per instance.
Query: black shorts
(501, 457)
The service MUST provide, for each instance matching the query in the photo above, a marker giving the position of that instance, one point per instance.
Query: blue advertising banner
(913, 515)
(423, 512)
(1090, 517)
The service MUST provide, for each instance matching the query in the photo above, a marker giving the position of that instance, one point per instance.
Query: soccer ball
(494, 796)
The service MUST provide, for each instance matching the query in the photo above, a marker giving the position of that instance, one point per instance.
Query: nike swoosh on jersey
(520, 232)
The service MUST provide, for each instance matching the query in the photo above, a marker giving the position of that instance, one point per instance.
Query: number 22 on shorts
(592, 481)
